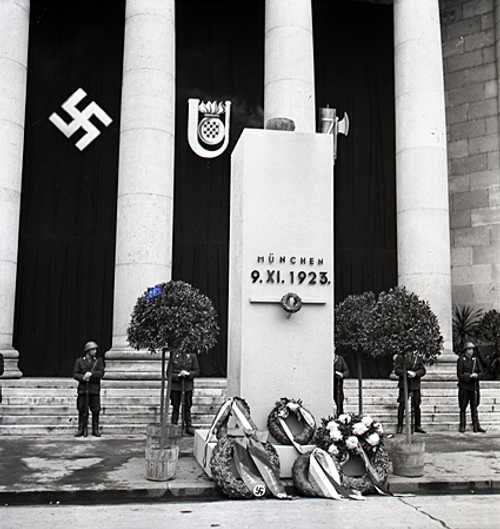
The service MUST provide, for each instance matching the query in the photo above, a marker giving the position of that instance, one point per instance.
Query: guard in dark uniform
(340, 371)
(415, 370)
(185, 368)
(469, 372)
(88, 370)
(1, 373)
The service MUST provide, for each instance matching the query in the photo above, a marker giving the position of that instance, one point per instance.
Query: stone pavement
(68, 470)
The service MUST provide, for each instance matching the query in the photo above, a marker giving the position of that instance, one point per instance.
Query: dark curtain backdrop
(355, 74)
(64, 291)
(220, 52)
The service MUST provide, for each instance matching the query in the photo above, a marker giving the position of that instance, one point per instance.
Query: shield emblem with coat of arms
(208, 137)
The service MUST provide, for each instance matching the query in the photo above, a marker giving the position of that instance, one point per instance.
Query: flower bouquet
(352, 437)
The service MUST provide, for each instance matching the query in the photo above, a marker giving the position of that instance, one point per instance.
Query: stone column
(421, 159)
(14, 29)
(289, 63)
(145, 175)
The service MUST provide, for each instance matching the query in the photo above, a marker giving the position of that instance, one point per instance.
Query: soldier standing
(415, 370)
(185, 368)
(1, 373)
(88, 370)
(469, 372)
(340, 371)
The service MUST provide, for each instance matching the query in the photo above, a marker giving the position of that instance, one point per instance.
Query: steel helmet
(89, 346)
(468, 345)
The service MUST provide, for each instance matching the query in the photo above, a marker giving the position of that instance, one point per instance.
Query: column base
(11, 359)
(125, 363)
(445, 367)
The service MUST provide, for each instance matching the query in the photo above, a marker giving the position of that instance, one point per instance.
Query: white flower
(344, 418)
(333, 450)
(293, 406)
(332, 425)
(367, 421)
(359, 428)
(373, 439)
(378, 428)
(336, 435)
(333, 428)
(352, 442)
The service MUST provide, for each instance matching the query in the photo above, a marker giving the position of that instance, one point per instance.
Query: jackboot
(418, 426)
(79, 432)
(476, 427)
(461, 428)
(175, 415)
(85, 425)
(187, 422)
(95, 425)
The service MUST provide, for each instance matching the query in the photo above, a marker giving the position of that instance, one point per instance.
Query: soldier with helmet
(88, 370)
(469, 372)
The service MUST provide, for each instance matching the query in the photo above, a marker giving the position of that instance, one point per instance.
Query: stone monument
(281, 271)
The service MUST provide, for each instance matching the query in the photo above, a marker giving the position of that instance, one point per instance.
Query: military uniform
(183, 362)
(339, 366)
(414, 363)
(88, 392)
(468, 388)
(1, 373)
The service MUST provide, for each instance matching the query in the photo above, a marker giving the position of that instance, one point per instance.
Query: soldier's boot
(401, 416)
(85, 420)
(187, 422)
(175, 415)
(418, 426)
(79, 432)
(476, 427)
(95, 425)
(461, 428)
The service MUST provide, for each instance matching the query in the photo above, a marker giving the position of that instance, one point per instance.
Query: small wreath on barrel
(300, 474)
(224, 471)
(346, 438)
(284, 409)
(221, 430)
(291, 302)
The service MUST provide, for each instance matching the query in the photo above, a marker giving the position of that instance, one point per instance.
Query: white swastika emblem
(81, 119)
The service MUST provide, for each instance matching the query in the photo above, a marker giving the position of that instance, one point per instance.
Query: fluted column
(146, 173)
(289, 63)
(14, 29)
(421, 159)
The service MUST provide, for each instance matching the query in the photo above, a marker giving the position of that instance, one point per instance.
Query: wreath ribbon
(300, 449)
(325, 477)
(229, 407)
(304, 414)
(376, 480)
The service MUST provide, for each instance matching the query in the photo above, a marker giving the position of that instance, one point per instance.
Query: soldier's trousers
(84, 402)
(416, 399)
(175, 399)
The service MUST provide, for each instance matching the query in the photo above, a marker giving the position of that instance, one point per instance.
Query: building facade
(86, 228)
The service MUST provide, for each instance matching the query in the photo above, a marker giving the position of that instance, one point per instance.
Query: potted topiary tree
(399, 324)
(170, 317)
(351, 318)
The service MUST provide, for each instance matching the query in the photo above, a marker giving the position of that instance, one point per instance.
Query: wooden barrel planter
(161, 463)
(408, 459)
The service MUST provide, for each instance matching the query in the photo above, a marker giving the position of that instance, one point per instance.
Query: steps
(439, 403)
(38, 406)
